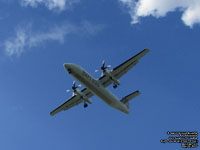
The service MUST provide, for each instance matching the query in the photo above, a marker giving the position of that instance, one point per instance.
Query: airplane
(98, 86)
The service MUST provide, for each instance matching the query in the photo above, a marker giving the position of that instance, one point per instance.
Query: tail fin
(127, 98)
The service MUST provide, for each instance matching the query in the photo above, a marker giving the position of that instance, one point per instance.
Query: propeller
(103, 67)
(74, 87)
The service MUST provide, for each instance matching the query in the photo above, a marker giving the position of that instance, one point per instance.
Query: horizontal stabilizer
(129, 97)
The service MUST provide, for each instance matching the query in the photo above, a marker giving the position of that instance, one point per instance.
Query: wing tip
(138, 92)
(146, 50)
(54, 112)
(51, 113)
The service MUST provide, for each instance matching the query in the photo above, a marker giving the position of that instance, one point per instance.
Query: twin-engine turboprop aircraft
(98, 86)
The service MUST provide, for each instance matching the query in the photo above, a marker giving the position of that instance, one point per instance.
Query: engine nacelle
(114, 80)
(83, 96)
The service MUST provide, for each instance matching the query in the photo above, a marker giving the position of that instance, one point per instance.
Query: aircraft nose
(68, 67)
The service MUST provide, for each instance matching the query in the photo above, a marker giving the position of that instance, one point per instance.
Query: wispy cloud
(50, 4)
(16, 45)
(25, 38)
(159, 8)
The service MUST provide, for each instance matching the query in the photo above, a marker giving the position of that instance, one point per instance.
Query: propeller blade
(102, 74)
(103, 62)
(74, 85)
(67, 91)
(103, 65)
(108, 66)
(74, 82)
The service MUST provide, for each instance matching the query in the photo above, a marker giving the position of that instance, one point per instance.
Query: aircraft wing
(120, 70)
(73, 101)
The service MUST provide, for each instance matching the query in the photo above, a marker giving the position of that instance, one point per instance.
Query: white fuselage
(95, 87)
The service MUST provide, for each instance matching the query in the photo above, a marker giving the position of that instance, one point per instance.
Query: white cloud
(16, 45)
(159, 8)
(25, 38)
(50, 4)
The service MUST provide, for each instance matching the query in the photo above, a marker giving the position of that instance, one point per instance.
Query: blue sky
(38, 36)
